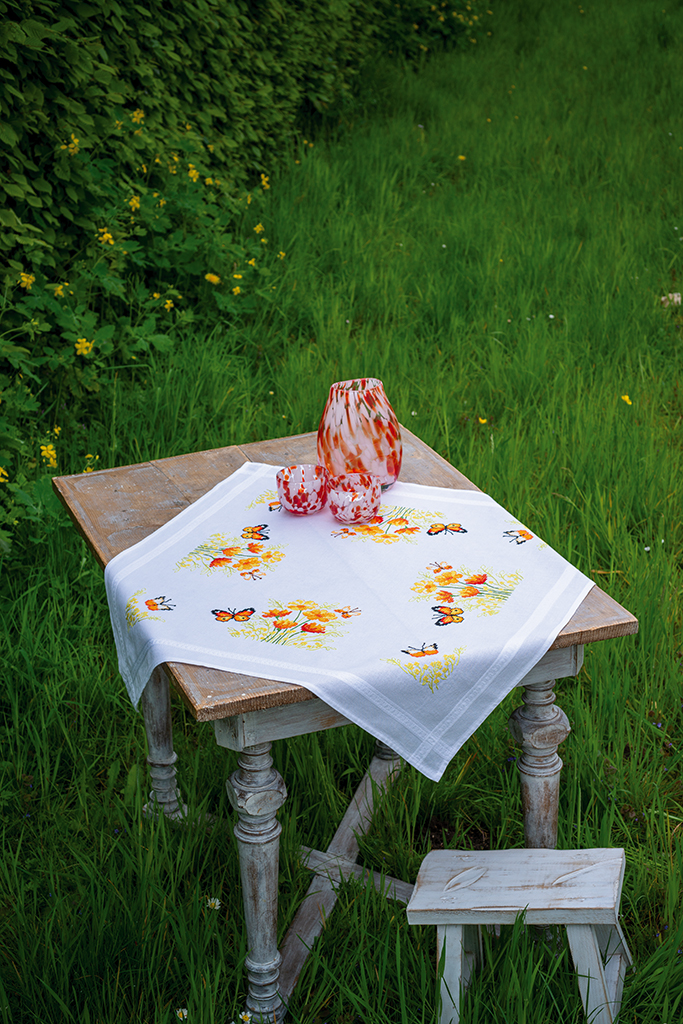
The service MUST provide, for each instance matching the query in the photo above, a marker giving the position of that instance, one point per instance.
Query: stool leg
(597, 1005)
(257, 791)
(539, 726)
(161, 758)
(614, 949)
(460, 946)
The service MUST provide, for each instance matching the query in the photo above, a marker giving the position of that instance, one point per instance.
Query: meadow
(492, 236)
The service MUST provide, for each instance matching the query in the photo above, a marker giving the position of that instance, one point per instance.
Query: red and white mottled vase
(359, 432)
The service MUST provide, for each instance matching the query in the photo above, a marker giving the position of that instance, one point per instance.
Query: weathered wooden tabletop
(115, 508)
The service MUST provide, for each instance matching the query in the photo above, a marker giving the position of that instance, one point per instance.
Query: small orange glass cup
(354, 497)
(302, 490)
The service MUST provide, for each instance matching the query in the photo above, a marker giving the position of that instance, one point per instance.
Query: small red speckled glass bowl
(354, 497)
(302, 490)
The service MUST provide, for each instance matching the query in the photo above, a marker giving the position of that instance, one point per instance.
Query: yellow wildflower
(259, 228)
(264, 182)
(462, 158)
(236, 290)
(4, 475)
(144, 168)
(481, 420)
(626, 399)
(162, 202)
(156, 295)
(193, 172)
(56, 431)
(237, 275)
(138, 131)
(252, 262)
(83, 346)
(168, 305)
(26, 280)
(59, 291)
(71, 146)
(210, 147)
(281, 254)
(134, 202)
(212, 278)
(118, 125)
(208, 181)
(138, 116)
(49, 454)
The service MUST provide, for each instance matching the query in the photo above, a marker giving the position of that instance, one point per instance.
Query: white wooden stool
(459, 891)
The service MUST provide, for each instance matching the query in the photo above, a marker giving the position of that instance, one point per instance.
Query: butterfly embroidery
(439, 566)
(347, 611)
(447, 615)
(225, 616)
(255, 532)
(160, 604)
(437, 528)
(421, 652)
(518, 536)
(274, 506)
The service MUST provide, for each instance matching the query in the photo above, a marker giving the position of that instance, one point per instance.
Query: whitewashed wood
(161, 758)
(311, 917)
(340, 868)
(256, 791)
(277, 723)
(458, 889)
(494, 886)
(585, 949)
(461, 947)
(539, 726)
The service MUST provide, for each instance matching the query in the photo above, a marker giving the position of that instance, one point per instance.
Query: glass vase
(359, 432)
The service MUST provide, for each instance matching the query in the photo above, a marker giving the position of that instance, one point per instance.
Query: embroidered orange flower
(318, 613)
(247, 563)
(219, 561)
(311, 627)
(274, 613)
(479, 578)
(231, 551)
(400, 521)
(255, 548)
(377, 519)
(448, 579)
(367, 528)
(469, 592)
(284, 624)
(445, 595)
(272, 556)
(425, 588)
(299, 606)
(409, 529)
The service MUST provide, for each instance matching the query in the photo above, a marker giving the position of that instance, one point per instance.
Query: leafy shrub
(134, 141)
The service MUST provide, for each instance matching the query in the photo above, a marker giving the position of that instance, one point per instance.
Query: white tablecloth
(414, 626)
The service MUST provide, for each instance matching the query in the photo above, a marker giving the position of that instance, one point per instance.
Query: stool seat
(460, 890)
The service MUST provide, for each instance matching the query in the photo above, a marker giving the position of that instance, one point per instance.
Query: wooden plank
(494, 886)
(113, 509)
(339, 869)
(276, 723)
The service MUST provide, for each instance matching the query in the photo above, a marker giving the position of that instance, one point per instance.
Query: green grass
(520, 286)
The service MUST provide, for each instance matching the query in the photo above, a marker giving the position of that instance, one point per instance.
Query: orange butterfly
(421, 652)
(274, 506)
(518, 536)
(347, 611)
(160, 604)
(436, 528)
(255, 532)
(447, 614)
(225, 616)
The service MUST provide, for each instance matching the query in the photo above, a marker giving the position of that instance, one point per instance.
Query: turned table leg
(540, 726)
(161, 758)
(257, 791)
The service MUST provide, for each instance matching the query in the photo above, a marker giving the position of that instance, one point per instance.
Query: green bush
(135, 141)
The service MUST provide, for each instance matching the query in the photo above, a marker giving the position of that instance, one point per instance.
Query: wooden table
(115, 508)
